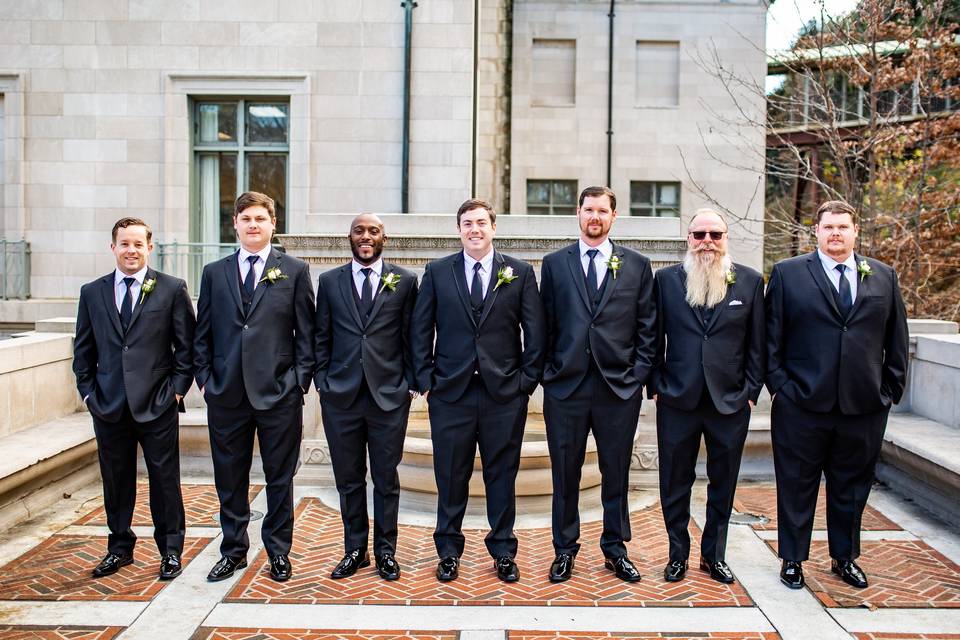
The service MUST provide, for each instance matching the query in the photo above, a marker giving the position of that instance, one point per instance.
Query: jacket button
(587, 350)
(844, 328)
(477, 336)
(245, 327)
(593, 325)
(126, 348)
(706, 337)
(361, 360)
(364, 336)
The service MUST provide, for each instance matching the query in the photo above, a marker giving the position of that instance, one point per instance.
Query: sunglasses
(714, 235)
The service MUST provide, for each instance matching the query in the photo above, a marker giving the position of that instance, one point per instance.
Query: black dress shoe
(225, 567)
(850, 573)
(675, 571)
(110, 564)
(170, 566)
(791, 574)
(561, 568)
(448, 569)
(623, 568)
(387, 566)
(348, 566)
(280, 568)
(507, 569)
(718, 570)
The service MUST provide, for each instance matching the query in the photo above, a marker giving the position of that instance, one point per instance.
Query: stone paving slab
(318, 545)
(762, 501)
(580, 635)
(59, 569)
(62, 632)
(200, 504)
(902, 574)
(318, 634)
(906, 636)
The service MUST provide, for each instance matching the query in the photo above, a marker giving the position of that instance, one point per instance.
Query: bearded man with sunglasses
(707, 376)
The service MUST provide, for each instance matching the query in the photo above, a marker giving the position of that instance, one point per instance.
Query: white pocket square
(734, 303)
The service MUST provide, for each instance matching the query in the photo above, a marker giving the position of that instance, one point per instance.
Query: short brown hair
(254, 199)
(596, 192)
(836, 206)
(123, 223)
(476, 203)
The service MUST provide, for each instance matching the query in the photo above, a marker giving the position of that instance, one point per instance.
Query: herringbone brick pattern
(901, 573)
(200, 504)
(592, 635)
(206, 633)
(58, 633)
(59, 569)
(318, 546)
(763, 501)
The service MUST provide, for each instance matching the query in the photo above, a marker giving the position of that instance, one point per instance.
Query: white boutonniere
(505, 276)
(863, 268)
(614, 264)
(731, 276)
(272, 275)
(389, 281)
(147, 288)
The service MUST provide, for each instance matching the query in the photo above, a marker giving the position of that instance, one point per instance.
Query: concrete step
(920, 460)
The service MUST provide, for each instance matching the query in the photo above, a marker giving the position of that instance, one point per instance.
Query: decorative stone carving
(315, 452)
(645, 458)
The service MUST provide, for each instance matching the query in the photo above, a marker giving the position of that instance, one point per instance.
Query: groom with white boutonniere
(364, 376)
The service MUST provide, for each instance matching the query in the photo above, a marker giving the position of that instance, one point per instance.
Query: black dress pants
(117, 451)
(279, 431)
(678, 443)
(845, 449)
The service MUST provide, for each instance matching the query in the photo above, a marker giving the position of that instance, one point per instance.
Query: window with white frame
(551, 197)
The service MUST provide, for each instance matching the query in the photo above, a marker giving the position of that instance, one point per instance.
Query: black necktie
(476, 290)
(366, 293)
(249, 283)
(592, 276)
(846, 297)
(126, 307)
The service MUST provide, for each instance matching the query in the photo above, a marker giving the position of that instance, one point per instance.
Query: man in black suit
(365, 381)
(479, 380)
(707, 376)
(598, 299)
(254, 361)
(133, 360)
(837, 360)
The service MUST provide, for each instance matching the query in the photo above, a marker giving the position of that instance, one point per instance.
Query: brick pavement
(62, 632)
(762, 500)
(200, 504)
(205, 633)
(318, 545)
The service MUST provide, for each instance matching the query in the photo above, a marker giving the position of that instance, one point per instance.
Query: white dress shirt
(120, 289)
(606, 251)
(258, 266)
(830, 267)
(486, 267)
(377, 269)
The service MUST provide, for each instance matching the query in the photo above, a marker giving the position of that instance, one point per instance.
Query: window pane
(218, 122)
(538, 210)
(267, 123)
(538, 192)
(641, 211)
(563, 192)
(218, 190)
(267, 173)
(669, 194)
(228, 196)
(668, 212)
(641, 192)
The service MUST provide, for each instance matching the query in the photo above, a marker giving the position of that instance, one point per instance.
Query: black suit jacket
(267, 353)
(821, 360)
(620, 336)
(443, 308)
(144, 368)
(727, 354)
(348, 349)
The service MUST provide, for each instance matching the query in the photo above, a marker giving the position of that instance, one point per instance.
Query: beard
(706, 280)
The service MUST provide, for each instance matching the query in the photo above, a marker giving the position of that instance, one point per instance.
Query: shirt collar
(263, 253)
(486, 262)
(376, 266)
(605, 248)
(118, 276)
(830, 264)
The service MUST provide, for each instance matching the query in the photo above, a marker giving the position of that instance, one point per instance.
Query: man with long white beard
(707, 376)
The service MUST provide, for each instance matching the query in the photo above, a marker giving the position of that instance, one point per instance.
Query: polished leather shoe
(718, 570)
(170, 566)
(623, 568)
(387, 566)
(850, 573)
(280, 568)
(448, 569)
(791, 574)
(675, 571)
(561, 568)
(225, 567)
(507, 569)
(110, 564)
(348, 566)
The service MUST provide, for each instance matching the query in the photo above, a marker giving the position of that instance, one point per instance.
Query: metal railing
(186, 259)
(14, 269)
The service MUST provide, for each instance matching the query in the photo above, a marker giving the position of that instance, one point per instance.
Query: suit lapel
(380, 296)
(492, 288)
(695, 310)
(110, 301)
(862, 287)
(461, 281)
(719, 309)
(611, 280)
(145, 298)
(816, 270)
(231, 270)
(576, 272)
(272, 261)
(345, 281)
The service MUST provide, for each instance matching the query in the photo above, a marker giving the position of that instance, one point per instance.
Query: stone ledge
(940, 349)
(33, 350)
